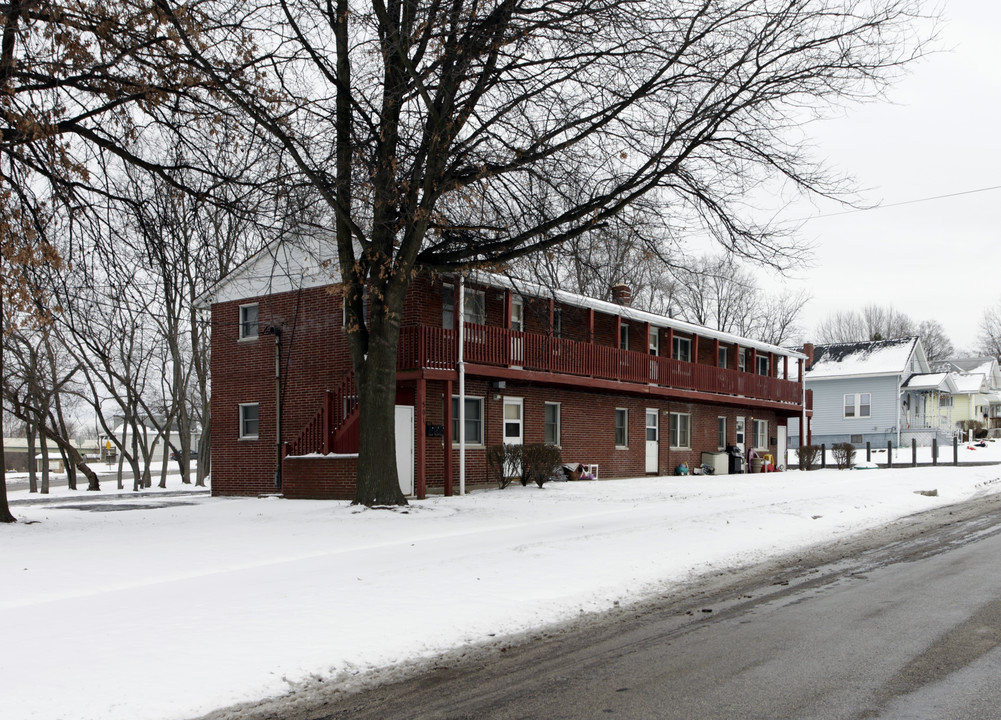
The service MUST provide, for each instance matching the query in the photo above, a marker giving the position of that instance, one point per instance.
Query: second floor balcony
(423, 348)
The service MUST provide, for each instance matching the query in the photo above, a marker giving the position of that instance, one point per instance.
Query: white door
(782, 446)
(739, 439)
(514, 428)
(652, 440)
(405, 447)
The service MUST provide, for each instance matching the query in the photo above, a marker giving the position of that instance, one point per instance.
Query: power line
(905, 202)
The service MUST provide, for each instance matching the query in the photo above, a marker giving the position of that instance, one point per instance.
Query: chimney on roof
(622, 294)
(808, 351)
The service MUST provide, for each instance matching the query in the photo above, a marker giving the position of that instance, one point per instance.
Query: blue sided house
(875, 392)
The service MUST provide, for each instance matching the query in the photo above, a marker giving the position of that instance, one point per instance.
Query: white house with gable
(876, 392)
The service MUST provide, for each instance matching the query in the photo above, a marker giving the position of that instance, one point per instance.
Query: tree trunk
(70, 471)
(5, 514)
(121, 458)
(204, 452)
(43, 442)
(78, 461)
(378, 480)
(32, 464)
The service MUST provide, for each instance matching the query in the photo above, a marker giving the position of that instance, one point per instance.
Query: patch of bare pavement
(461, 683)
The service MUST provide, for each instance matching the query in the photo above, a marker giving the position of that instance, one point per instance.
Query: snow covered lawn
(173, 606)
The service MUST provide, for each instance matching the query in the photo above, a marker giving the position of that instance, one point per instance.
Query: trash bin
(736, 463)
(756, 464)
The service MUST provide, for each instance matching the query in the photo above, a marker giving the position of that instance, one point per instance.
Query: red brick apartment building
(630, 392)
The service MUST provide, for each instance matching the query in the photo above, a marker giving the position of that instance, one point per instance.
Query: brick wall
(314, 358)
(320, 478)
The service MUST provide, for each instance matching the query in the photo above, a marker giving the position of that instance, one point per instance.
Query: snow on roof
(981, 365)
(930, 381)
(968, 384)
(877, 357)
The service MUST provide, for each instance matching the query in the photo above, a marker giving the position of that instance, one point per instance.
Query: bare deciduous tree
(990, 332)
(936, 343)
(719, 293)
(873, 322)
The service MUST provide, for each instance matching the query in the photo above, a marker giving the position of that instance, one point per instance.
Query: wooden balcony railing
(435, 348)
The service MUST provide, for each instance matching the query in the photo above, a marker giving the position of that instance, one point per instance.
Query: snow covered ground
(160, 606)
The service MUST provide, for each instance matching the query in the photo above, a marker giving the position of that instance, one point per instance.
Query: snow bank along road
(900, 622)
(175, 607)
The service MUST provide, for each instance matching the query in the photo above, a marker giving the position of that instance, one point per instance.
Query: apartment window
(858, 405)
(447, 306)
(624, 337)
(760, 430)
(474, 308)
(945, 401)
(517, 313)
(682, 349)
(856, 439)
(248, 322)
(722, 358)
(621, 427)
(552, 421)
(248, 421)
(762, 362)
(742, 360)
(557, 323)
(721, 432)
(474, 420)
(681, 430)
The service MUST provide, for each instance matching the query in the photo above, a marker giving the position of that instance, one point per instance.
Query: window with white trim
(721, 433)
(654, 341)
(474, 420)
(517, 313)
(682, 349)
(742, 360)
(762, 363)
(681, 431)
(249, 415)
(557, 323)
(621, 428)
(623, 337)
(723, 357)
(248, 322)
(760, 430)
(945, 401)
(552, 422)
(858, 405)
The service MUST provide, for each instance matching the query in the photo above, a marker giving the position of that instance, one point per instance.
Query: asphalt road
(904, 622)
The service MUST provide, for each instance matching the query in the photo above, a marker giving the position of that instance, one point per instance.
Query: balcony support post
(447, 440)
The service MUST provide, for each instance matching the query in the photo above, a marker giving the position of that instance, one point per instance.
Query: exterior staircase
(334, 428)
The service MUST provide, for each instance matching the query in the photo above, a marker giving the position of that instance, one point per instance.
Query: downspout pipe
(461, 365)
(278, 405)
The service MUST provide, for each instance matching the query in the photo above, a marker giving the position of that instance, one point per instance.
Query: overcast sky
(935, 259)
